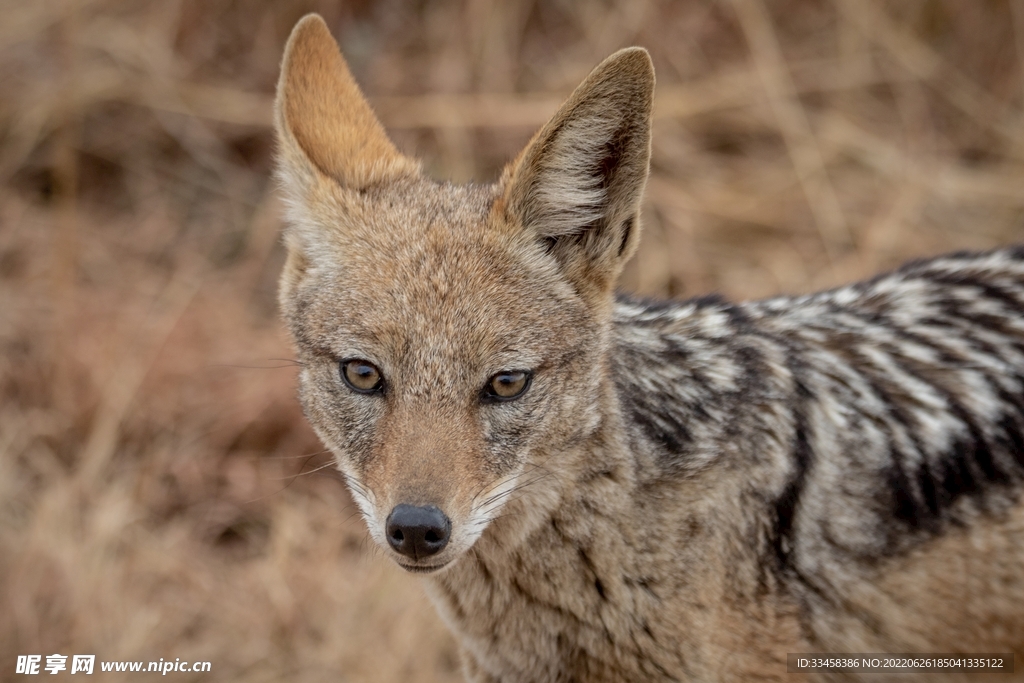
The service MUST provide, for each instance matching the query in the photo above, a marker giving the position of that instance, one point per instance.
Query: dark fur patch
(786, 504)
(665, 429)
(627, 230)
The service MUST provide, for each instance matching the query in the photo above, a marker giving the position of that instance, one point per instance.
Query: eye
(361, 376)
(507, 385)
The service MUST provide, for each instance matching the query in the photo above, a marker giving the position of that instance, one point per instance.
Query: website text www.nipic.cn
(86, 664)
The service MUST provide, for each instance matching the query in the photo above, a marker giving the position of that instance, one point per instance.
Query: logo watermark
(86, 664)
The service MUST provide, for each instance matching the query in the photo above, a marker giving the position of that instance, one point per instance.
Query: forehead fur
(410, 268)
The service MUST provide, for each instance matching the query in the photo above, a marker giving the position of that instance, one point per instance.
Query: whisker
(503, 480)
(518, 487)
(497, 484)
(292, 457)
(285, 363)
(292, 361)
(362, 490)
(354, 514)
(312, 471)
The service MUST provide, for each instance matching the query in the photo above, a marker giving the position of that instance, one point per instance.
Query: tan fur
(320, 108)
(920, 600)
(575, 555)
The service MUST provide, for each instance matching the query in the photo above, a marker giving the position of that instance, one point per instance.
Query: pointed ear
(324, 124)
(577, 186)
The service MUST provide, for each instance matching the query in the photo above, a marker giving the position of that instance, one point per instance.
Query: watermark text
(86, 664)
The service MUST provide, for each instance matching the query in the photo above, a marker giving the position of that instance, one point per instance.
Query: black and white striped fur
(869, 419)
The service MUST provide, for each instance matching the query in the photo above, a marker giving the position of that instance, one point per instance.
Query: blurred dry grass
(159, 492)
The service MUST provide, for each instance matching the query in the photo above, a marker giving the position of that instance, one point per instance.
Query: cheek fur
(509, 429)
(344, 420)
(487, 504)
(363, 496)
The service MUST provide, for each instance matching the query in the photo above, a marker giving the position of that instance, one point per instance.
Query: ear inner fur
(321, 111)
(578, 183)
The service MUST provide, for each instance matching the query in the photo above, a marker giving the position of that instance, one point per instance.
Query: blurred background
(160, 493)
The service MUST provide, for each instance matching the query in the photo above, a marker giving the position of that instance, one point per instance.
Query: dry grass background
(159, 492)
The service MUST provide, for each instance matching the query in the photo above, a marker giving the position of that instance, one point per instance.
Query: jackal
(607, 489)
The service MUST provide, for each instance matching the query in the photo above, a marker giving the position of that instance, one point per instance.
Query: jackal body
(614, 490)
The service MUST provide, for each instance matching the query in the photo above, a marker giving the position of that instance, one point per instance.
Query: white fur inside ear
(310, 250)
(294, 180)
(570, 190)
(300, 228)
(301, 193)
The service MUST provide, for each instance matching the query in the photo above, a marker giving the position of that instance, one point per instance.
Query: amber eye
(361, 376)
(507, 385)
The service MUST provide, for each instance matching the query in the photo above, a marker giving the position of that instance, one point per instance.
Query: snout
(418, 531)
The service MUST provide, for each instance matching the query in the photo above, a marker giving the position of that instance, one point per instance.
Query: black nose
(418, 531)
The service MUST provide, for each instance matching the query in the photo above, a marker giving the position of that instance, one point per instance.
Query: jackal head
(453, 338)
